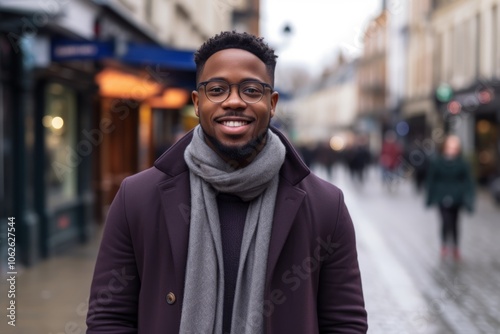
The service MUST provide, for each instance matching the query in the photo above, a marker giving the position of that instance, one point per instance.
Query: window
(62, 156)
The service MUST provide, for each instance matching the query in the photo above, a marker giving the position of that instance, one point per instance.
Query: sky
(319, 29)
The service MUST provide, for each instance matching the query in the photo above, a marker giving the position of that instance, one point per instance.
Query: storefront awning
(143, 54)
(167, 64)
(132, 53)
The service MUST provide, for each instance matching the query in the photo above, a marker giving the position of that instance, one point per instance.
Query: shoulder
(142, 189)
(436, 162)
(324, 200)
(435, 159)
(316, 187)
(143, 181)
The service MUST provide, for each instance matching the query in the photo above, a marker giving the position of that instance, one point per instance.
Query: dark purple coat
(313, 281)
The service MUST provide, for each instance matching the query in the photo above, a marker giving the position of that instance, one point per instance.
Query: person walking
(359, 159)
(390, 159)
(450, 187)
(229, 231)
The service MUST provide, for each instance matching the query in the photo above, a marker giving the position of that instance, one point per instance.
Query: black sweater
(232, 216)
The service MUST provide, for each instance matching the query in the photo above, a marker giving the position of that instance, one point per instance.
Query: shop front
(45, 107)
(487, 145)
(474, 114)
(139, 117)
(64, 154)
(66, 141)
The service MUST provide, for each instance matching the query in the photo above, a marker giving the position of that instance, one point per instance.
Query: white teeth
(234, 123)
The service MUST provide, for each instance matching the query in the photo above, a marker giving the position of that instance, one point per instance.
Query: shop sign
(470, 101)
(64, 50)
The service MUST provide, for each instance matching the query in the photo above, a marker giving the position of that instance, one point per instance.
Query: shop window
(62, 158)
(487, 136)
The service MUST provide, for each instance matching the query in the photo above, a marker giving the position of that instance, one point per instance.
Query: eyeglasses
(249, 91)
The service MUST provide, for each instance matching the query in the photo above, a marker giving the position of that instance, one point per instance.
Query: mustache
(232, 113)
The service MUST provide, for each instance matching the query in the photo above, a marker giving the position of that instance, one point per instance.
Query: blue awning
(131, 53)
(173, 64)
(144, 54)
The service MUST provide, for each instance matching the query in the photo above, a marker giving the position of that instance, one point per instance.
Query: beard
(242, 153)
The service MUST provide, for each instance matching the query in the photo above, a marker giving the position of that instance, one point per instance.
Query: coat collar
(172, 163)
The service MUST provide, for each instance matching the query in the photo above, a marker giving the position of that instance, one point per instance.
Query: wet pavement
(408, 288)
(52, 296)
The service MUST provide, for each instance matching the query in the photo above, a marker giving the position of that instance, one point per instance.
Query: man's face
(233, 125)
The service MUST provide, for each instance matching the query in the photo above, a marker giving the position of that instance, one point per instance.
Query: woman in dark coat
(450, 186)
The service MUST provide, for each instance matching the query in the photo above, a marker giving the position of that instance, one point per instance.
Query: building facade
(374, 115)
(397, 57)
(466, 41)
(418, 109)
(92, 91)
(327, 107)
(452, 79)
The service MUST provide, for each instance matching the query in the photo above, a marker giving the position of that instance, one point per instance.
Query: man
(229, 232)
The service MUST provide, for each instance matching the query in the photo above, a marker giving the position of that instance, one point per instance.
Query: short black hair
(235, 40)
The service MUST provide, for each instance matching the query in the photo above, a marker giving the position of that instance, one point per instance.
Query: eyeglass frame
(264, 86)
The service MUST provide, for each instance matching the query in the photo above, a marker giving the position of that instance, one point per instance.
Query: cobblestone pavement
(408, 288)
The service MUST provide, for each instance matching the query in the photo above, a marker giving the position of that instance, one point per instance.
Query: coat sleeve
(116, 283)
(341, 306)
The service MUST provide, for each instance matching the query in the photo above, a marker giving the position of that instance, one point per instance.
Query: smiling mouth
(234, 124)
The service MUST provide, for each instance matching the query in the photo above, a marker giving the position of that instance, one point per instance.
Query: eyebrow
(242, 80)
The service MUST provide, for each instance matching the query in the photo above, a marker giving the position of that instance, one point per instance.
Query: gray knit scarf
(204, 285)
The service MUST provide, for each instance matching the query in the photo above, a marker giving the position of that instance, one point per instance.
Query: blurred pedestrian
(306, 152)
(419, 161)
(390, 158)
(229, 232)
(450, 187)
(359, 158)
(325, 157)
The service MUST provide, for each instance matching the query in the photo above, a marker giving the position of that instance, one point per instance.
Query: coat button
(170, 298)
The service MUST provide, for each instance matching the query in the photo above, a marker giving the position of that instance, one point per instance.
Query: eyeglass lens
(250, 92)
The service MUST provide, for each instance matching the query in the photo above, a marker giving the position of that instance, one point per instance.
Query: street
(408, 288)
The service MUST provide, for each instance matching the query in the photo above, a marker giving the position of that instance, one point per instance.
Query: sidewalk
(52, 297)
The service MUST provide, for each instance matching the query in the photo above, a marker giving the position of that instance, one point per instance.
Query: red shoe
(456, 254)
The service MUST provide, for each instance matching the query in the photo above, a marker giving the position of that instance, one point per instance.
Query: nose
(234, 100)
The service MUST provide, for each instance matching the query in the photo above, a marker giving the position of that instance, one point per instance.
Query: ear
(274, 101)
(195, 98)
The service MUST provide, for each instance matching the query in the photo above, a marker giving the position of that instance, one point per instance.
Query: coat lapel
(288, 201)
(176, 202)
